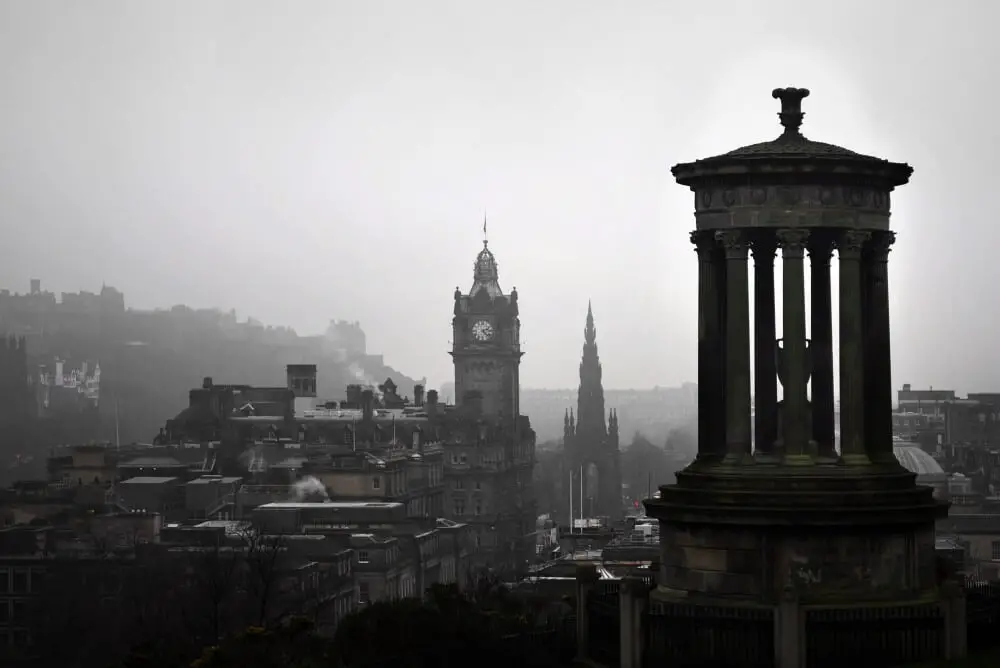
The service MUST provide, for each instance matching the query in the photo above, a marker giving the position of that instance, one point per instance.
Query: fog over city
(336, 160)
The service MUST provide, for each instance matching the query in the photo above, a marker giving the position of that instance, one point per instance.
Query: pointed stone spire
(590, 333)
(590, 401)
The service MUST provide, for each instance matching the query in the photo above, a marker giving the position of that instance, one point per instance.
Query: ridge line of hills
(151, 359)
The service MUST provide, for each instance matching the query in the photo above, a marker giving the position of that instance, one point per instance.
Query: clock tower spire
(486, 349)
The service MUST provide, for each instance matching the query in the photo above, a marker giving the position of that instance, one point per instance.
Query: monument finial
(791, 114)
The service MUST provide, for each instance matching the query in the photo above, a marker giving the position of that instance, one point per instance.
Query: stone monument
(771, 516)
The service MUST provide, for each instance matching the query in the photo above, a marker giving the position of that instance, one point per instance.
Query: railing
(679, 634)
(227, 500)
(982, 600)
(603, 623)
(889, 636)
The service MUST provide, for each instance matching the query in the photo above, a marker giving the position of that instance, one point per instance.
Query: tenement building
(590, 442)
(792, 541)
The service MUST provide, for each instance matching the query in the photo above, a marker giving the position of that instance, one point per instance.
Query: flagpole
(571, 529)
(354, 434)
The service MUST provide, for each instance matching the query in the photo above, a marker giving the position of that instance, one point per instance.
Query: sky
(308, 160)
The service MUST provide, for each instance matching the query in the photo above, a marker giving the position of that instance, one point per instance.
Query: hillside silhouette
(150, 360)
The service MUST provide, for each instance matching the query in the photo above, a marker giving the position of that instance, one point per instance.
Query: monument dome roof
(915, 460)
(791, 147)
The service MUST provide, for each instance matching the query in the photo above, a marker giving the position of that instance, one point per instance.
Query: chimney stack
(418, 395)
(432, 403)
(367, 405)
(353, 396)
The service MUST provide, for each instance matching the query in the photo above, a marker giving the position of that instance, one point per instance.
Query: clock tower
(486, 345)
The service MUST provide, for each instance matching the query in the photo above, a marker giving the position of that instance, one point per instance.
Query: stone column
(737, 362)
(823, 432)
(633, 599)
(711, 435)
(953, 604)
(852, 399)
(788, 625)
(795, 418)
(586, 580)
(765, 374)
(877, 354)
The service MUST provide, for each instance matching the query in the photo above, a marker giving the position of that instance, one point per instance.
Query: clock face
(482, 330)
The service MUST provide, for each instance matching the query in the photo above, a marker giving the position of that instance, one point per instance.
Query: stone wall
(736, 561)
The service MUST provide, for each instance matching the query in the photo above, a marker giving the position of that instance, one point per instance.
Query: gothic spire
(590, 333)
(590, 401)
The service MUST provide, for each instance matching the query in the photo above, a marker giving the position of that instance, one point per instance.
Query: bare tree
(214, 573)
(263, 557)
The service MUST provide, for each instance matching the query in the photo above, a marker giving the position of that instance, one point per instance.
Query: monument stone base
(800, 562)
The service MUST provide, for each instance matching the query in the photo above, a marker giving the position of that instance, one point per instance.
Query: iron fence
(982, 614)
(679, 634)
(885, 636)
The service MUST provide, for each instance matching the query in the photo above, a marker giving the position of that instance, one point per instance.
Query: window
(363, 556)
(376, 482)
(4, 612)
(4, 580)
(479, 509)
(363, 594)
(18, 614)
(479, 486)
(459, 508)
(454, 458)
(19, 583)
(996, 550)
(462, 459)
(459, 484)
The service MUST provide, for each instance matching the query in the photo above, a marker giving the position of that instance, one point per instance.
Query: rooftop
(147, 480)
(218, 479)
(328, 505)
(152, 462)
(915, 460)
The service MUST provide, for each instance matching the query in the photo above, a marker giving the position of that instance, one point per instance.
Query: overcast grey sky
(305, 160)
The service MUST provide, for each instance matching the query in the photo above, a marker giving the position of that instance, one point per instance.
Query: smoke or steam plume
(362, 377)
(309, 489)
